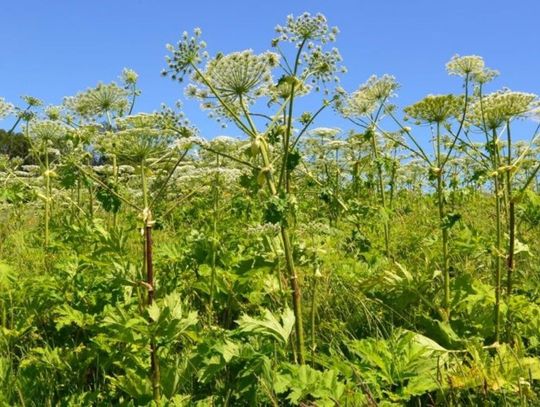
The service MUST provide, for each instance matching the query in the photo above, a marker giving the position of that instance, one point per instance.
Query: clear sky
(54, 48)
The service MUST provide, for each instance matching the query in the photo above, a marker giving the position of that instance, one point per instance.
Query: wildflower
(241, 74)
(306, 28)
(129, 76)
(497, 108)
(185, 143)
(189, 51)
(471, 66)
(5, 108)
(53, 112)
(32, 101)
(325, 132)
(224, 143)
(46, 131)
(322, 65)
(435, 108)
(104, 98)
(335, 144)
(487, 75)
(238, 79)
(465, 65)
(140, 137)
(369, 96)
(283, 89)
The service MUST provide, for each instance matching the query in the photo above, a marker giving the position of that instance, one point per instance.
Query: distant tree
(13, 144)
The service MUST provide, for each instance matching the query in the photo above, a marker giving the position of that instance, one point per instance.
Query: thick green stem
(511, 226)
(47, 199)
(313, 314)
(90, 196)
(155, 375)
(289, 261)
(115, 178)
(382, 195)
(296, 294)
(214, 240)
(443, 226)
(498, 239)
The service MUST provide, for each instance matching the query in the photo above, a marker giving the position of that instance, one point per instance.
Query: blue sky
(55, 48)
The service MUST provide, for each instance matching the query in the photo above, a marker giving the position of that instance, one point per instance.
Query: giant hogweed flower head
(284, 87)
(465, 65)
(497, 108)
(44, 134)
(139, 137)
(188, 52)
(129, 77)
(104, 98)
(471, 66)
(239, 77)
(5, 108)
(48, 130)
(322, 66)
(306, 27)
(435, 108)
(32, 101)
(369, 96)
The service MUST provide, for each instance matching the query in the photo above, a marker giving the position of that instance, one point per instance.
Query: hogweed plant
(414, 247)
(45, 135)
(366, 108)
(493, 114)
(104, 102)
(229, 87)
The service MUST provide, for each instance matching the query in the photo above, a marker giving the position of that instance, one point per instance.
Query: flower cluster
(465, 65)
(322, 66)
(103, 99)
(32, 101)
(494, 110)
(237, 78)
(324, 132)
(185, 143)
(283, 89)
(306, 28)
(46, 133)
(471, 66)
(139, 137)
(5, 108)
(189, 51)
(435, 108)
(129, 77)
(369, 96)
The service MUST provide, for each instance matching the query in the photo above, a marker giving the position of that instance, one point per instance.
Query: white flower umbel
(5, 108)
(369, 96)
(495, 109)
(98, 101)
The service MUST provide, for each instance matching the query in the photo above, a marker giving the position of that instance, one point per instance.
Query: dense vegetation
(391, 263)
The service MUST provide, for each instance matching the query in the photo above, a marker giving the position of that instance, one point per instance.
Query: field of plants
(390, 263)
